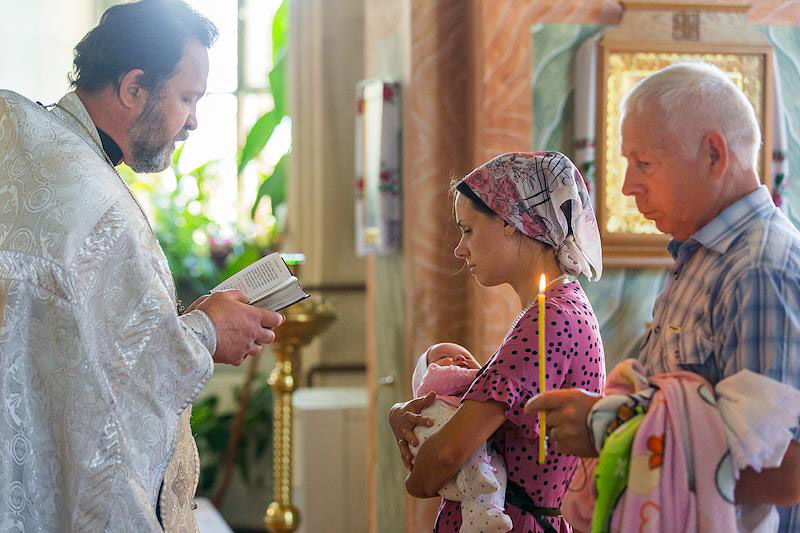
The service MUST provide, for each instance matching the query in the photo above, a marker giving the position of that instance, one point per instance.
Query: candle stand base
(282, 519)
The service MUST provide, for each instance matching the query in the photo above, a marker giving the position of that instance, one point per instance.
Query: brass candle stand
(304, 321)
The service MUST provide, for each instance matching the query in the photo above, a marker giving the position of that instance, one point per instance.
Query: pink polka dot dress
(511, 377)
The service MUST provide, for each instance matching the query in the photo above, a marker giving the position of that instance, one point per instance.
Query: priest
(98, 368)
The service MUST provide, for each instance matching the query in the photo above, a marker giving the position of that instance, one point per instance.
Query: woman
(520, 215)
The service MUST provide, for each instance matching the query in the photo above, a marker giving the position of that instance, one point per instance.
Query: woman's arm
(440, 457)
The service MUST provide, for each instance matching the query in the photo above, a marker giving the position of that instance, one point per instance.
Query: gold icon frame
(629, 240)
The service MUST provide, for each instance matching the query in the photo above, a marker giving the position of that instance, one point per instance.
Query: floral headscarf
(536, 193)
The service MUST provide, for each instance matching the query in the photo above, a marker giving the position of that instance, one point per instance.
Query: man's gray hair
(695, 98)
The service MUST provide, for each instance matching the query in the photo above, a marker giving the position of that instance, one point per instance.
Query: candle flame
(542, 283)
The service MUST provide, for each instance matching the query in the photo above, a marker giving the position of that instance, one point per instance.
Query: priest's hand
(196, 303)
(241, 328)
(567, 411)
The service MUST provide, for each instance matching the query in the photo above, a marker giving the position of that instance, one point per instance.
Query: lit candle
(542, 384)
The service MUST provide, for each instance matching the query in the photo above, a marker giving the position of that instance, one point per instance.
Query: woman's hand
(446, 450)
(403, 418)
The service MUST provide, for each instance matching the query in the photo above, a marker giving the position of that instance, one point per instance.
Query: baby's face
(451, 354)
(453, 360)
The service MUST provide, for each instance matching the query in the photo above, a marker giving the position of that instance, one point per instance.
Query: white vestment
(97, 371)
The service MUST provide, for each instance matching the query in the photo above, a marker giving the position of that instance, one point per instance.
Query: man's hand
(566, 411)
(774, 486)
(403, 418)
(241, 328)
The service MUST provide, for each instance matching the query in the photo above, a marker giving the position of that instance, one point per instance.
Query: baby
(480, 485)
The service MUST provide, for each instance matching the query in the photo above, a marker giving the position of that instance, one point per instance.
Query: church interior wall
(37, 37)
(499, 116)
(466, 70)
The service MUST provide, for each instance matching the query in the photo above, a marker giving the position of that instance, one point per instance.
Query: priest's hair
(150, 35)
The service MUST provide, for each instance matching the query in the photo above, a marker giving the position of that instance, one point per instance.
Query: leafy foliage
(273, 184)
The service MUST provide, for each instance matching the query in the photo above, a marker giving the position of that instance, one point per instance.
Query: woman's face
(483, 245)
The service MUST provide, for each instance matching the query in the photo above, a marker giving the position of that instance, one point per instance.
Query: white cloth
(97, 371)
(759, 414)
(419, 371)
(480, 484)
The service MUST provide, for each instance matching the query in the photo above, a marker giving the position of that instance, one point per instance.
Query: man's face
(669, 188)
(170, 112)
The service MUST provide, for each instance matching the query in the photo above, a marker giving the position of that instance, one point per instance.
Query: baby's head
(449, 354)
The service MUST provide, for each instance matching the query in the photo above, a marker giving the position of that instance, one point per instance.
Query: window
(238, 94)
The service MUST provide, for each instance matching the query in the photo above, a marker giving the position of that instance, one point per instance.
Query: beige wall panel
(386, 50)
(321, 220)
(775, 12)
(326, 42)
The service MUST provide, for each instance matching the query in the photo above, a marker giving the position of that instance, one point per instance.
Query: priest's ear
(131, 93)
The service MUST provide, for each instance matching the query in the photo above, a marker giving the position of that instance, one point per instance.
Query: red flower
(509, 189)
(500, 206)
(477, 180)
(388, 93)
(533, 228)
(656, 447)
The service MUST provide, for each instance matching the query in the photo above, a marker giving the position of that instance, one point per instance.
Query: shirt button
(676, 274)
(658, 330)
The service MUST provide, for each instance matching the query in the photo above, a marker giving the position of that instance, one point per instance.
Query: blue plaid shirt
(732, 301)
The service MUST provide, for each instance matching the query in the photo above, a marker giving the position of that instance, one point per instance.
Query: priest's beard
(150, 150)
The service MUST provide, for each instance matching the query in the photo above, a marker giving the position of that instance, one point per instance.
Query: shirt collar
(111, 147)
(719, 234)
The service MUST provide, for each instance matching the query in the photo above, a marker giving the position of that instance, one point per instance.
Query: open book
(267, 283)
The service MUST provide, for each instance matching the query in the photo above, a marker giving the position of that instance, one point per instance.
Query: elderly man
(732, 299)
(97, 369)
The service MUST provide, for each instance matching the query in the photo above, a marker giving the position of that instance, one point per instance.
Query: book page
(259, 279)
